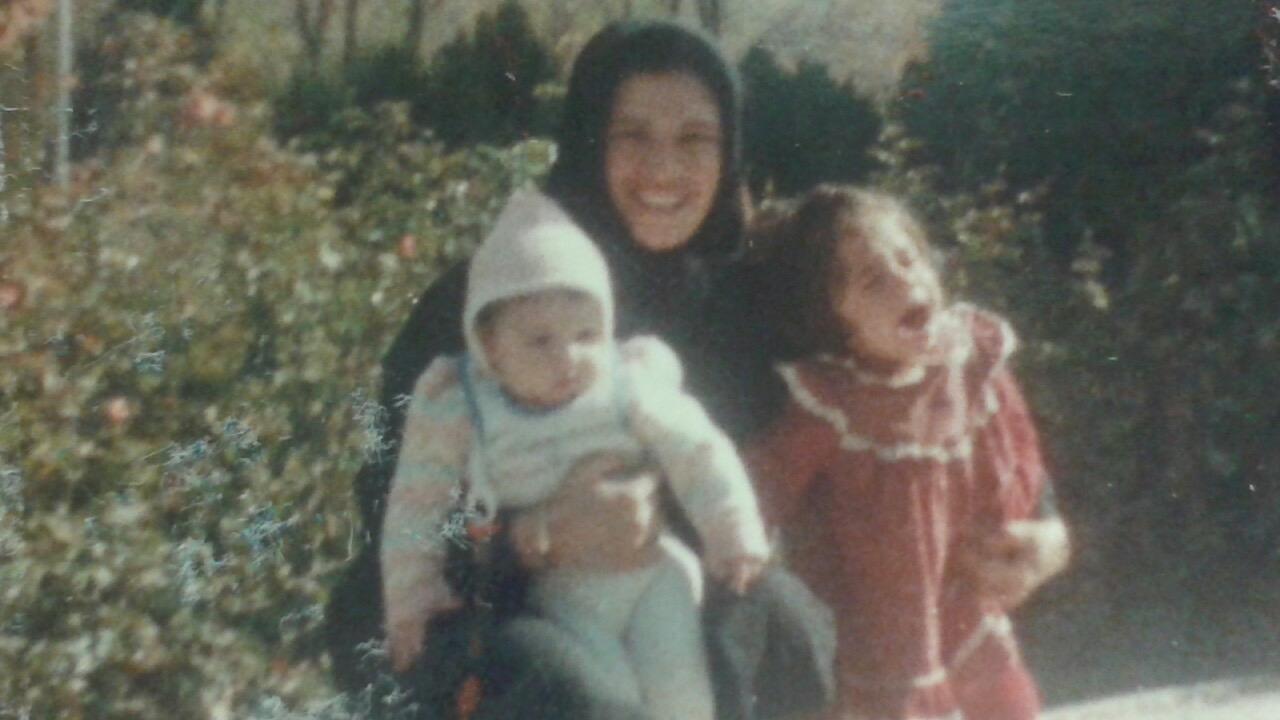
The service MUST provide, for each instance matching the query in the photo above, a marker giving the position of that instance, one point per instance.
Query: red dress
(873, 485)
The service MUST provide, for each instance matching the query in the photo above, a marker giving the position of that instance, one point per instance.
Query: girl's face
(887, 294)
(663, 157)
(546, 349)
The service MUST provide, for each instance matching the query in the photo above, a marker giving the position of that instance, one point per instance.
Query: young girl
(906, 473)
(542, 386)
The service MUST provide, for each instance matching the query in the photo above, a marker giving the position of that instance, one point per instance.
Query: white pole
(4, 171)
(66, 58)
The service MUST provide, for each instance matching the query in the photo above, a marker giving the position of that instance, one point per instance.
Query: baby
(542, 386)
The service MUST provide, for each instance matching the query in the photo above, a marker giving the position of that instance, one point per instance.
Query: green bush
(1100, 100)
(493, 85)
(186, 12)
(186, 396)
(802, 127)
(387, 74)
(309, 102)
(483, 87)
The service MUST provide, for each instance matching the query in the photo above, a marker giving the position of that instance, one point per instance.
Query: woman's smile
(663, 157)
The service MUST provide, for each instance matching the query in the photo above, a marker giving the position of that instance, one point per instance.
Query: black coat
(771, 651)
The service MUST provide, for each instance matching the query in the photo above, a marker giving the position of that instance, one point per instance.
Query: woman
(649, 165)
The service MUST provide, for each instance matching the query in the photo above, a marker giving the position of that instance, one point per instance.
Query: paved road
(1248, 699)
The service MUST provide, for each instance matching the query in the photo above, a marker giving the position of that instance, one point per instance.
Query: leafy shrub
(492, 85)
(185, 397)
(390, 73)
(802, 127)
(484, 87)
(1100, 100)
(309, 102)
(186, 12)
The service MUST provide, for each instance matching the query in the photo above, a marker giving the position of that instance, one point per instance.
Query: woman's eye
(699, 137)
(700, 141)
(588, 336)
(626, 135)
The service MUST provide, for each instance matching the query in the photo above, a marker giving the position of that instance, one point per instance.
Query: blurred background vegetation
(215, 213)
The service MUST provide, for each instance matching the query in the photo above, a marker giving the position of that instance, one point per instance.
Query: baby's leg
(592, 611)
(665, 641)
(536, 669)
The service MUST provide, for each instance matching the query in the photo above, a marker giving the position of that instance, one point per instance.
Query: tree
(20, 18)
(481, 87)
(802, 127)
(312, 17)
(350, 27)
(710, 15)
(1098, 99)
(417, 23)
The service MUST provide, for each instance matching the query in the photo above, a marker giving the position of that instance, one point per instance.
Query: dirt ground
(1248, 699)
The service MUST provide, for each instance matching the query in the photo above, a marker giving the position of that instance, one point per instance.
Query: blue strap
(469, 393)
(621, 388)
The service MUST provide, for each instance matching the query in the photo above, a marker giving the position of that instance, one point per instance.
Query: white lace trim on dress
(960, 449)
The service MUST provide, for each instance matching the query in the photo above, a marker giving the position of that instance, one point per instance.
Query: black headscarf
(648, 282)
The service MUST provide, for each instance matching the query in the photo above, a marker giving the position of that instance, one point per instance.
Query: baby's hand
(406, 635)
(740, 572)
(404, 642)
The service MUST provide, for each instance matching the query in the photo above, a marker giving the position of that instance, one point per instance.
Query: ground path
(1248, 699)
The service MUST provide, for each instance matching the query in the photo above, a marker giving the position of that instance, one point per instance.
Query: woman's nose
(662, 161)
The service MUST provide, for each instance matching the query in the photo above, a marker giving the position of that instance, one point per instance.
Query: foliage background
(190, 329)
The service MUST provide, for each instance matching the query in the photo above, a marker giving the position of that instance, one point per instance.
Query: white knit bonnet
(533, 246)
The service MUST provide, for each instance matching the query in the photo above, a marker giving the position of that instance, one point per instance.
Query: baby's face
(548, 348)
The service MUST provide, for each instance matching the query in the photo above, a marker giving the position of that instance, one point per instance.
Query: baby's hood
(533, 246)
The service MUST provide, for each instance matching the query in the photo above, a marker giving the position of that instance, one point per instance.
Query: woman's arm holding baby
(594, 521)
(699, 461)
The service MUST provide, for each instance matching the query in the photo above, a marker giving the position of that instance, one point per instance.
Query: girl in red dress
(906, 474)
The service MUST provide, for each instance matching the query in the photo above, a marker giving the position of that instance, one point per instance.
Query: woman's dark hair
(616, 53)
(797, 243)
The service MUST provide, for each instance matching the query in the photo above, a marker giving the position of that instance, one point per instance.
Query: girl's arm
(1022, 547)
(417, 528)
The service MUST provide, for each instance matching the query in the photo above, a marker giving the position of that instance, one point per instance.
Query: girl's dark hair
(796, 242)
(615, 54)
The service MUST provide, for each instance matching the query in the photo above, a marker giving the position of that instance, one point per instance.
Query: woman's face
(663, 157)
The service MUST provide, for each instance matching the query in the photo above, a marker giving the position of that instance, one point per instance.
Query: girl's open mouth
(915, 320)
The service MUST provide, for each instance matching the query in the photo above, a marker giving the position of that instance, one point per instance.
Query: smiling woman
(663, 159)
(649, 166)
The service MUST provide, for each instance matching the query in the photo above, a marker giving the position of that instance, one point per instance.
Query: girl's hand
(603, 518)
(739, 573)
(1009, 563)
